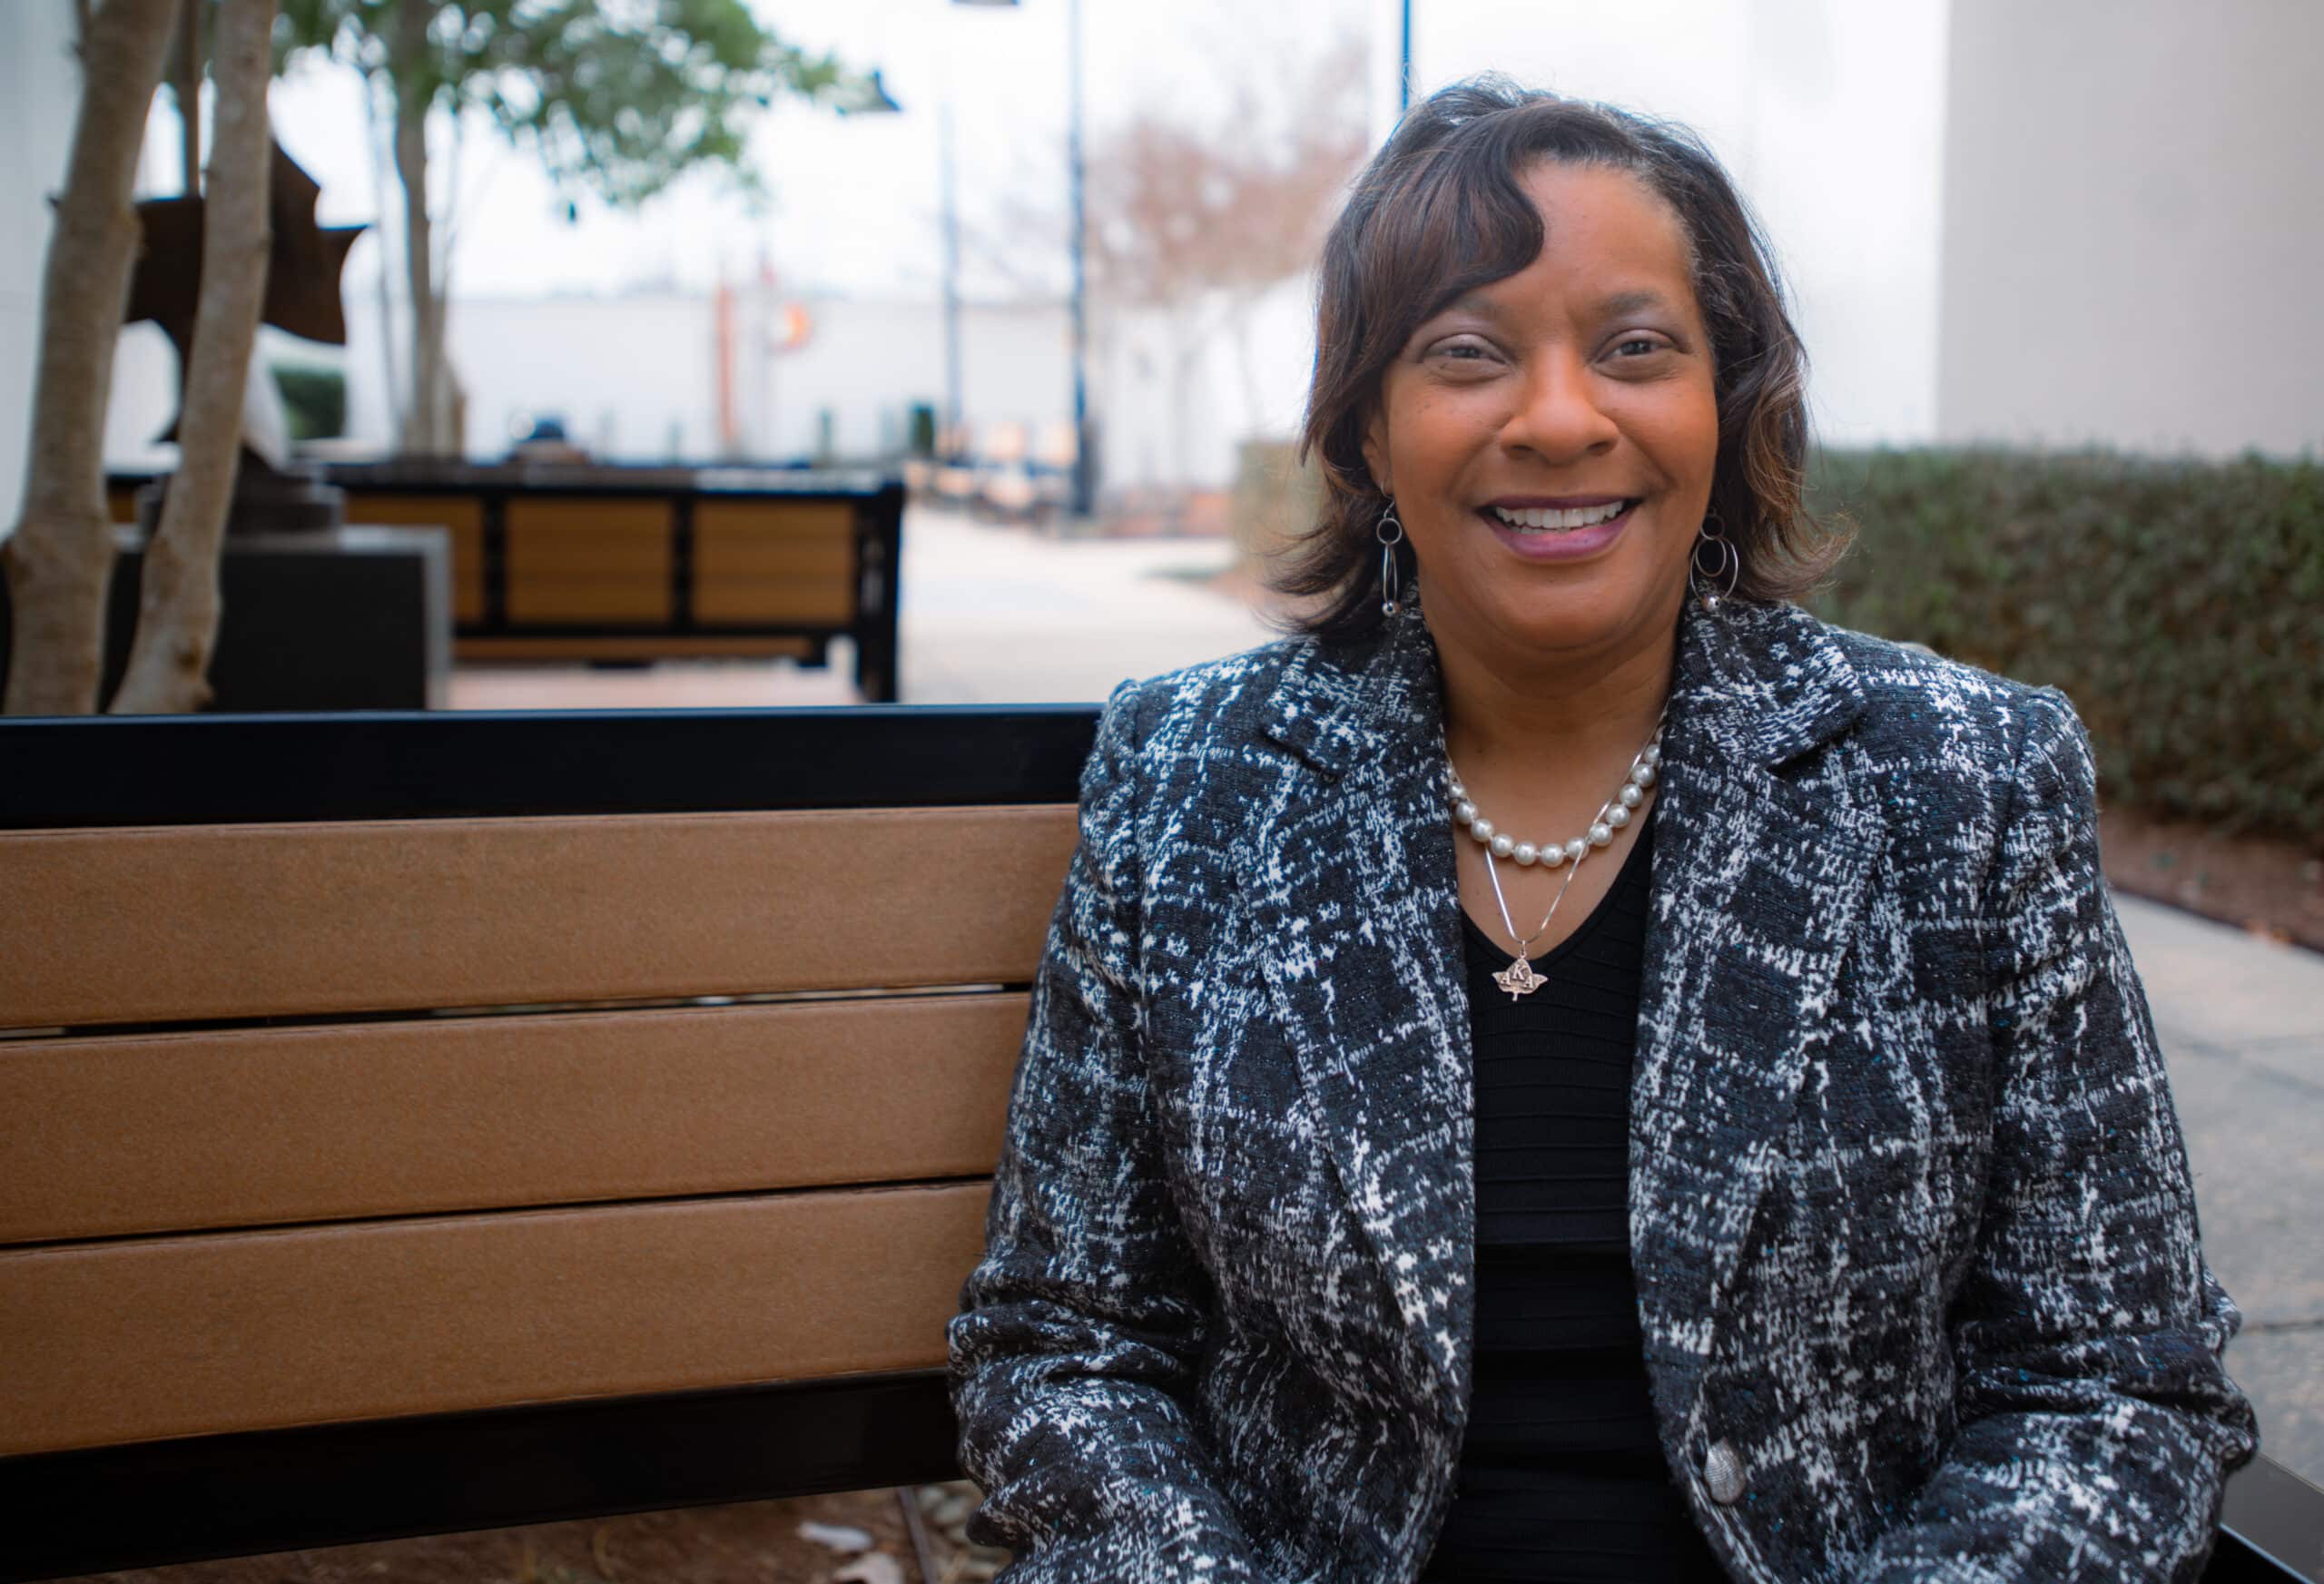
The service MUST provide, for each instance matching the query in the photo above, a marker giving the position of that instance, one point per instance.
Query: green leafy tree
(618, 98)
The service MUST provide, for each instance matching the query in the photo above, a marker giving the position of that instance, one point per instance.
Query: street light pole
(1084, 464)
(1405, 63)
(949, 439)
(1085, 469)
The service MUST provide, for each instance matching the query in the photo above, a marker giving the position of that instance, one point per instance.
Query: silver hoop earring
(1390, 532)
(1711, 535)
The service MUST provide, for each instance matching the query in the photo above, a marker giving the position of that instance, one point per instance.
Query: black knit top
(1561, 1476)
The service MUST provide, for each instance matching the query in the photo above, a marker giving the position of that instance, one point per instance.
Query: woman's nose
(1557, 417)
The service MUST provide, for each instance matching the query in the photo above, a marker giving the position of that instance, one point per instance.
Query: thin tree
(178, 599)
(617, 100)
(59, 559)
(1199, 222)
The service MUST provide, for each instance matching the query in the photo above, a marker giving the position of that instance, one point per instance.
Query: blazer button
(1723, 1474)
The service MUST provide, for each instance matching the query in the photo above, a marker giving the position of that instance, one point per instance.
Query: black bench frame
(152, 1503)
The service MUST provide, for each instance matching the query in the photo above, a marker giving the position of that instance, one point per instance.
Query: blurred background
(773, 352)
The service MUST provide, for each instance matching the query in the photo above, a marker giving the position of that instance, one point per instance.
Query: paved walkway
(995, 615)
(990, 615)
(2241, 1021)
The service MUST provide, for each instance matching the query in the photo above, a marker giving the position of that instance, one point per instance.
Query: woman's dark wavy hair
(1439, 211)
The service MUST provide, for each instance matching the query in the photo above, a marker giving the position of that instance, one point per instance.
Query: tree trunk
(60, 558)
(425, 420)
(178, 602)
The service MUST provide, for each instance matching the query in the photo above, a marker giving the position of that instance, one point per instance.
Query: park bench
(418, 1123)
(568, 562)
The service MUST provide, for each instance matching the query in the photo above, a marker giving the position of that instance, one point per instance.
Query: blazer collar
(1756, 879)
(1764, 683)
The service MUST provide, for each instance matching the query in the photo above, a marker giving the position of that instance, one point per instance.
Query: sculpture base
(265, 501)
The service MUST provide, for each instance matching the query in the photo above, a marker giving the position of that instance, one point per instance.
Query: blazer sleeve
(1075, 1346)
(2097, 1421)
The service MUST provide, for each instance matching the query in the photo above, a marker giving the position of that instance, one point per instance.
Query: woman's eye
(1463, 352)
(1638, 346)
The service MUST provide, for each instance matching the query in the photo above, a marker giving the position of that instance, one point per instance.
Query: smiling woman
(1805, 1203)
(1456, 208)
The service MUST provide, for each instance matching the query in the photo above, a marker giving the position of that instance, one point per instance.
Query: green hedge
(2179, 604)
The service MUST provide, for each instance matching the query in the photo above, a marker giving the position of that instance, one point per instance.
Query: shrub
(2179, 603)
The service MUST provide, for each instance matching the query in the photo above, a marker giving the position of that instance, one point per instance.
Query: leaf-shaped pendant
(1519, 977)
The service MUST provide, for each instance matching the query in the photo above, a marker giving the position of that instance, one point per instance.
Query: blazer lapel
(1354, 886)
(1758, 880)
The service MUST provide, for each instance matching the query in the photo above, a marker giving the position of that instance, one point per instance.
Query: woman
(1571, 1032)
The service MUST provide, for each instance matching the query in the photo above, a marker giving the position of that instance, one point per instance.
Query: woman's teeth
(1579, 518)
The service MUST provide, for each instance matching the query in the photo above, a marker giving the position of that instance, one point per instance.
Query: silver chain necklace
(1519, 977)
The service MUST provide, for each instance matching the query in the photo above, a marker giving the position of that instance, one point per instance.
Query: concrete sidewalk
(995, 616)
(2241, 1021)
(990, 615)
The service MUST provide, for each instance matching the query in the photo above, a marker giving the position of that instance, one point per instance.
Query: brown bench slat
(565, 595)
(829, 562)
(582, 558)
(135, 1341)
(153, 925)
(252, 1126)
(727, 527)
(759, 561)
(614, 646)
(462, 516)
(743, 601)
(556, 525)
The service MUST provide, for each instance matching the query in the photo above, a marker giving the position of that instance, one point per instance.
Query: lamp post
(877, 100)
(1404, 62)
(949, 435)
(1084, 464)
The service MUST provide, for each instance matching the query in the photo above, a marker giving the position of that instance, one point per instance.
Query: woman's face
(1550, 438)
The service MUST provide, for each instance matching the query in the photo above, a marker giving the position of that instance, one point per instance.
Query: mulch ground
(2273, 888)
(754, 1542)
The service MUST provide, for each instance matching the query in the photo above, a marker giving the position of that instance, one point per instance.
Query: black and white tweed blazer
(1910, 1211)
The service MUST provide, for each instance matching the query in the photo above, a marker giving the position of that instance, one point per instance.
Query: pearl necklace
(1519, 977)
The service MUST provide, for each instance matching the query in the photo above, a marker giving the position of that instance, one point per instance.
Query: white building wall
(634, 377)
(2133, 221)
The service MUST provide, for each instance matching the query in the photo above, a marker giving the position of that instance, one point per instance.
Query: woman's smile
(1569, 529)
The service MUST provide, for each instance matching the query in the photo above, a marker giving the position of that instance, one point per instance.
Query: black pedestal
(352, 618)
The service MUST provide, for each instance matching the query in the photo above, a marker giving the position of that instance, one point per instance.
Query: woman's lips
(1560, 545)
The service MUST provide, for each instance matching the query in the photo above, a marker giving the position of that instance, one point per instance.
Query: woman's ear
(1375, 449)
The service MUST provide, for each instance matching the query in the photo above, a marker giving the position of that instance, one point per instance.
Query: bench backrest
(363, 1069)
